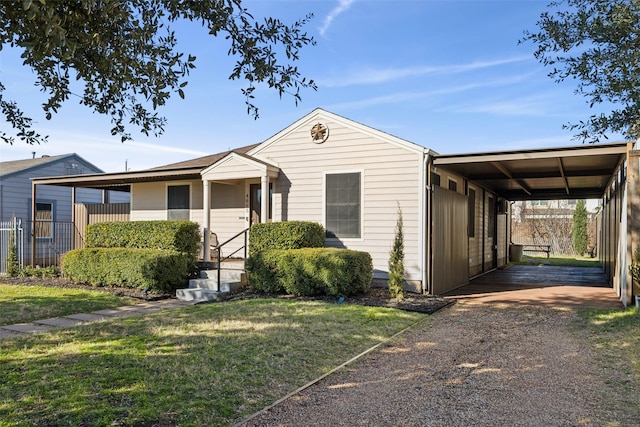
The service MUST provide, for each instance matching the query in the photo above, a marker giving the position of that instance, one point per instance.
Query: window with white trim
(178, 202)
(343, 205)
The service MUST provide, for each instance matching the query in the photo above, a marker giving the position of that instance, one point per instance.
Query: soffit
(558, 173)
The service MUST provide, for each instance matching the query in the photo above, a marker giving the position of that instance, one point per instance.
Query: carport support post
(633, 205)
(206, 220)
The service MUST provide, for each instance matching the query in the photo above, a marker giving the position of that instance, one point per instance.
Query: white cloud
(403, 97)
(342, 7)
(384, 75)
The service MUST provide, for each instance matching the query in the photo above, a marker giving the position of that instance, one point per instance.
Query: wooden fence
(96, 213)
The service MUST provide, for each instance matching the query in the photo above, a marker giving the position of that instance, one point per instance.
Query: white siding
(149, 200)
(390, 176)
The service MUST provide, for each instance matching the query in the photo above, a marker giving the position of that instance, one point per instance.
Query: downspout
(426, 209)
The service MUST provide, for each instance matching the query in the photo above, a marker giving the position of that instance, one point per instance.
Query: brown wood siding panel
(97, 213)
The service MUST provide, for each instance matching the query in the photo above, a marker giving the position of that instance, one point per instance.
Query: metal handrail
(218, 250)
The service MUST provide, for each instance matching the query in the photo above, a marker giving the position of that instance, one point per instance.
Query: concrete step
(198, 294)
(210, 284)
(226, 275)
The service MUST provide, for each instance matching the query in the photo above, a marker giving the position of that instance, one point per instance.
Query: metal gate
(9, 229)
(450, 241)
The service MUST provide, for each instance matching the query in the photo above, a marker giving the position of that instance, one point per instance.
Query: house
(53, 205)
(353, 179)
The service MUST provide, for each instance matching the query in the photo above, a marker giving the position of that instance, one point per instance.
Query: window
(178, 202)
(453, 186)
(44, 220)
(472, 213)
(342, 205)
(435, 179)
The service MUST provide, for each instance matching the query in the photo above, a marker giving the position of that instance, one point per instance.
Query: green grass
(19, 304)
(203, 365)
(564, 261)
(614, 336)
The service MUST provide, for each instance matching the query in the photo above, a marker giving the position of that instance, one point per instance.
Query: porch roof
(580, 172)
(121, 181)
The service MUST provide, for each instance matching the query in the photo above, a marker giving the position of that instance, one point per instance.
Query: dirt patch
(469, 365)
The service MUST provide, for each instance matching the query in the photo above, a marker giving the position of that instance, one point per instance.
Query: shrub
(180, 236)
(42, 272)
(580, 235)
(311, 271)
(285, 235)
(396, 262)
(634, 269)
(154, 269)
(13, 267)
(262, 270)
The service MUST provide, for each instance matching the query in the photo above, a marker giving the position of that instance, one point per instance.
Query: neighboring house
(352, 179)
(53, 206)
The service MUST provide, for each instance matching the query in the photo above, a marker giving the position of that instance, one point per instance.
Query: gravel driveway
(467, 365)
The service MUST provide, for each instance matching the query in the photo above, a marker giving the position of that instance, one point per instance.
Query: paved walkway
(8, 331)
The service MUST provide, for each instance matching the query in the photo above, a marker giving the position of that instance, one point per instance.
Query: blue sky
(447, 75)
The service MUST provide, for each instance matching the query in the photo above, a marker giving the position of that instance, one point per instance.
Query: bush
(285, 235)
(180, 236)
(153, 269)
(634, 269)
(42, 272)
(310, 271)
(396, 261)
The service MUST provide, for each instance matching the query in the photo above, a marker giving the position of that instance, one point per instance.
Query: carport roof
(580, 172)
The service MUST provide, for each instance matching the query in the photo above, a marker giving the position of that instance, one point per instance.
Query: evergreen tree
(12, 260)
(580, 235)
(396, 261)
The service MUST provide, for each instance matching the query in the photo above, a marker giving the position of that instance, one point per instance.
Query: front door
(255, 203)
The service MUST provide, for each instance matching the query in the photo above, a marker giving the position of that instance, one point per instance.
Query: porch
(560, 287)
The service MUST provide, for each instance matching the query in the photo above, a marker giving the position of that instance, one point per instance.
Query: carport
(608, 172)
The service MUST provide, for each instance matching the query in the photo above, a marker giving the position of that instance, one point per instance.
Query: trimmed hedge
(158, 270)
(180, 236)
(285, 235)
(310, 271)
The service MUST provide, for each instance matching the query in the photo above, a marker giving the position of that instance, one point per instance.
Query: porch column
(206, 214)
(264, 203)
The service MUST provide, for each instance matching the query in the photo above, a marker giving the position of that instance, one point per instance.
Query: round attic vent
(319, 133)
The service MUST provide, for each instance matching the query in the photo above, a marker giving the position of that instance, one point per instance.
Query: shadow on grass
(205, 365)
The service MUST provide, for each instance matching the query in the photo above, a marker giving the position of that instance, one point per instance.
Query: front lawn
(19, 304)
(202, 365)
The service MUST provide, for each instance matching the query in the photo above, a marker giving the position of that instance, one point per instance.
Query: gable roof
(21, 166)
(320, 115)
